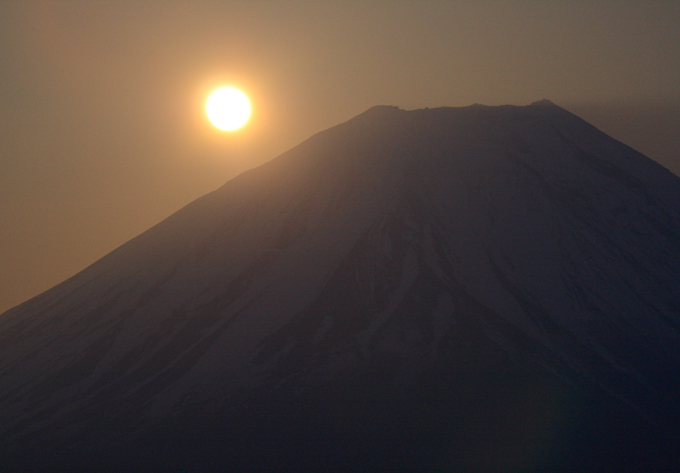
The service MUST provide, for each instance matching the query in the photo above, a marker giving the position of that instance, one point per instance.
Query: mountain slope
(405, 289)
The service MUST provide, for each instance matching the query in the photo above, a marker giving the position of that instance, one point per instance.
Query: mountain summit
(467, 289)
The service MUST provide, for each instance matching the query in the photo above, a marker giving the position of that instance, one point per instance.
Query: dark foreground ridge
(477, 289)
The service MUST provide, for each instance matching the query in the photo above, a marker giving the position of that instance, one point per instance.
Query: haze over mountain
(476, 289)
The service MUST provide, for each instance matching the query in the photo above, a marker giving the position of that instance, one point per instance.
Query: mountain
(452, 289)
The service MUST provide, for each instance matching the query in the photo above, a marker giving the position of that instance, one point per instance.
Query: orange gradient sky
(103, 130)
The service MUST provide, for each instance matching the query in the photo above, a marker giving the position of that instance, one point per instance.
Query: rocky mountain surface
(453, 289)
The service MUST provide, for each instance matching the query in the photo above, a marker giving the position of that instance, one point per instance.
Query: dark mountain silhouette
(453, 289)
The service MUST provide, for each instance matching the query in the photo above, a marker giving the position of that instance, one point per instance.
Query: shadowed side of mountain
(477, 288)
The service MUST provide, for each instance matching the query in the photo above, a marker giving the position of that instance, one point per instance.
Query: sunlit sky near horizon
(103, 130)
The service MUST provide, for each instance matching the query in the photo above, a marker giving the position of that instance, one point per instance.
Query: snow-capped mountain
(476, 289)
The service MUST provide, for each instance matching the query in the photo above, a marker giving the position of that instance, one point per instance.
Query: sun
(228, 108)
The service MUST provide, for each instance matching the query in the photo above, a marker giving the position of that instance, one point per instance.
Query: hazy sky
(102, 129)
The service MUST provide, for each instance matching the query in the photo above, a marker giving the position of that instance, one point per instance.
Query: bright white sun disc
(228, 108)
